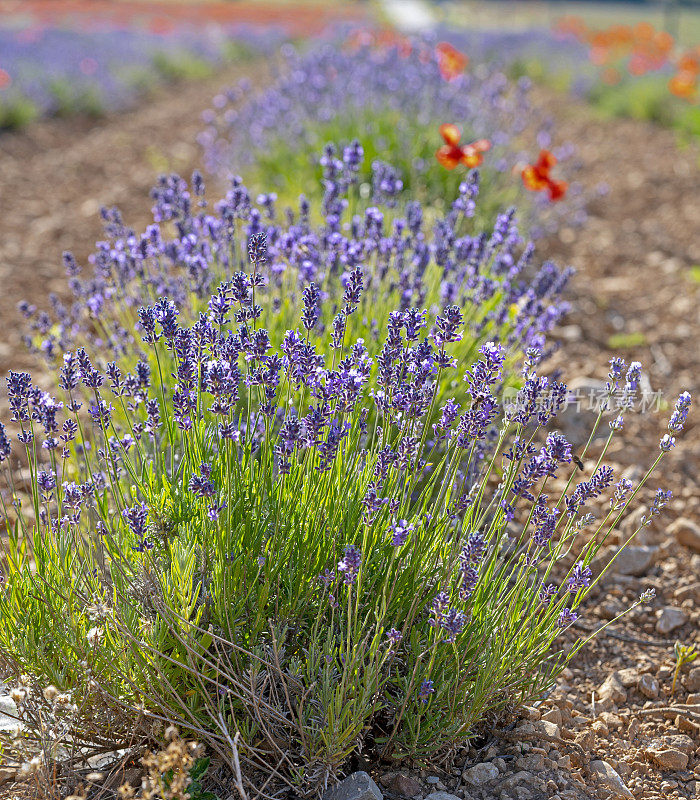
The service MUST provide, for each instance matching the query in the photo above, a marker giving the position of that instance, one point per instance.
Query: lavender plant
(337, 280)
(296, 549)
(391, 99)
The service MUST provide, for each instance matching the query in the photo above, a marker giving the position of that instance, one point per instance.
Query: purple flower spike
(426, 689)
(5, 444)
(580, 578)
(566, 618)
(400, 531)
(394, 636)
(680, 413)
(137, 519)
(350, 564)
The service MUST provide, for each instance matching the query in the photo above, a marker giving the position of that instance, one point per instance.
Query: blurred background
(63, 57)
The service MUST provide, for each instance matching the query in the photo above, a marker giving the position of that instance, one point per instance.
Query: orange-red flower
(451, 62)
(452, 153)
(684, 85)
(536, 177)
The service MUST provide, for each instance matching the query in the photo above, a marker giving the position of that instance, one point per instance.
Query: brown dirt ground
(634, 261)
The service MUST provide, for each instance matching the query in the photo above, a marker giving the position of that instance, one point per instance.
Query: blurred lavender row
(49, 70)
(506, 49)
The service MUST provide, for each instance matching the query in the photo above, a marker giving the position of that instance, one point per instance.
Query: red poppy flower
(451, 153)
(536, 177)
(450, 61)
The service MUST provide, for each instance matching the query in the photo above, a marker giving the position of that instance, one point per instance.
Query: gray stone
(517, 777)
(608, 778)
(628, 676)
(669, 619)
(532, 762)
(600, 561)
(358, 786)
(631, 525)
(634, 559)
(480, 774)
(542, 726)
(687, 533)
(442, 796)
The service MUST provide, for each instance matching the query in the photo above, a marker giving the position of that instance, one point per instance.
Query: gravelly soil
(634, 282)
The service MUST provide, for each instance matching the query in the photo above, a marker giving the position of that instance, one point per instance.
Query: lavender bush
(391, 99)
(284, 542)
(341, 279)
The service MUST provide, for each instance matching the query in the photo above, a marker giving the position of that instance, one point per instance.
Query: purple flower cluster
(400, 532)
(265, 266)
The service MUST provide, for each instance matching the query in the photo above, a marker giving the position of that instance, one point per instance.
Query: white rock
(7, 709)
(612, 690)
(480, 774)
(648, 685)
(608, 778)
(548, 728)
